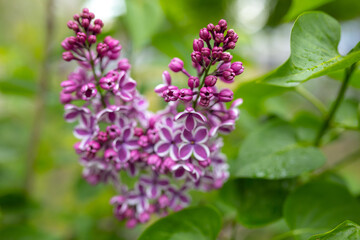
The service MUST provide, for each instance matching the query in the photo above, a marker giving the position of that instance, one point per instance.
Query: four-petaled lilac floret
(194, 143)
(88, 91)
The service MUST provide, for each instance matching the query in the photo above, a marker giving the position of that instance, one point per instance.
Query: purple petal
(190, 122)
(180, 115)
(123, 154)
(165, 134)
(154, 191)
(111, 116)
(162, 148)
(81, 132)
(179, 172)
(185, 151)
(160, 88)
(129, 85)
(163, 182)
(199, 116)
(201, 152)
(187, 136)
(125, 95)
(201, 135)
(146, 180)
(71, 116)
(127, 133)
(184, 199)
(174, 152)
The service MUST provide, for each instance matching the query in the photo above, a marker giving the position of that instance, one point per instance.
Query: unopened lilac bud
(205, 163)
(81, 37)
(237, 67)
(206, 92)
(176, 65)
(198, 44)
(124, 64)
(92, 39)
(186, 94)
(76, 17)
(154, 160)
(216, 52)
(226, 57)
(144, 217)
(204, 34)
(210, 27)
(99, 22)
(85, 10)
(230, 33)
(210, 80)
(217, 28)
(228, 75)
(68, 56)
(110, 155)
(138, 131)
(66, 45)
(223, 24)
(88, 91)
(113, 131)
(219, 37)
(71, 40)
(93, 147)
(65, 98)
(102, 48)
(231, 45)
(85, 23)
(196, 57)
(107, 83)
(193, 82)
(166, 78)
(96, 29)
(102, 136)
(206, 52)
(131, 223)
(143, 141)
(226, 95)
(91, 15)
(111, 42)
(204, 101)
(69, 86)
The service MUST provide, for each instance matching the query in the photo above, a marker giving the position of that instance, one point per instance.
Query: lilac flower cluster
(169, 152)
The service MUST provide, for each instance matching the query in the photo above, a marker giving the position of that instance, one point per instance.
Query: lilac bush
(169, 152)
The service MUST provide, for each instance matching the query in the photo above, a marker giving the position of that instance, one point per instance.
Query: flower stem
(335, 106)
(311, 98)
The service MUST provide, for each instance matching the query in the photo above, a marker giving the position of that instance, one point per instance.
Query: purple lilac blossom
(168, 152)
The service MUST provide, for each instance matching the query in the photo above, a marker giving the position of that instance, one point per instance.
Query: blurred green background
(42, 194)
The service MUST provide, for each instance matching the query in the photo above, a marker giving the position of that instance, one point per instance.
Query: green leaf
(314, 40)
(272, 152)
(354, 78)
(299, 6)
(346, 230)
(257, 201)
(197, 223)
(320, 206)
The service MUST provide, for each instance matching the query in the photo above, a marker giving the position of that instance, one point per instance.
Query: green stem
(202, 84)
(311, 98)
(336, 105)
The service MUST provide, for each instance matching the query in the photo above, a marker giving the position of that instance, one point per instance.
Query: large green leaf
(314, 40)
(257, 201)
(299, 6)
(346, 230)
(318, 207)
(272, 152)
(197, 223)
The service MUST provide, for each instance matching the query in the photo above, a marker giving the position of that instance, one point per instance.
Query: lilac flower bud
(205, 163)
(176, 65)
(102, 48)
(216, 52)
(71, 40)
(91, 15)
(217, 28)
(85, 10)
(163, 201)
(96, 29)
(193, 82)
(224, 66)
(219, 37)
(166, 78)
(237, 67)
(231, 45)
(144, 217)
(138, 131)
(171, 94)
(186, 94)
(204, 34)
(81, 37)
(69, 86)
(206, 52)
(228, 75)
(131, 223)
(66, 45)
(210, 80)
(68, 56)
(223, 24)
(110, 155)
(113, 131)
(196, 57)
(226, 57)
(143, 141)
(112, 43)
(92, 39)
(198, 44)
(102, 136)
(135, 155)
(76, 17)
(153, 135)
(85, 23)
(154, 160)
(107, 83)
(78, 149)
(206, 92)
(88, 91)
(65, 98)
(204, 101)
(226, 95)
(99, 22)
(210, 27)
(167, 165)
(93, 147)
(230, 33)
(124, 64)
